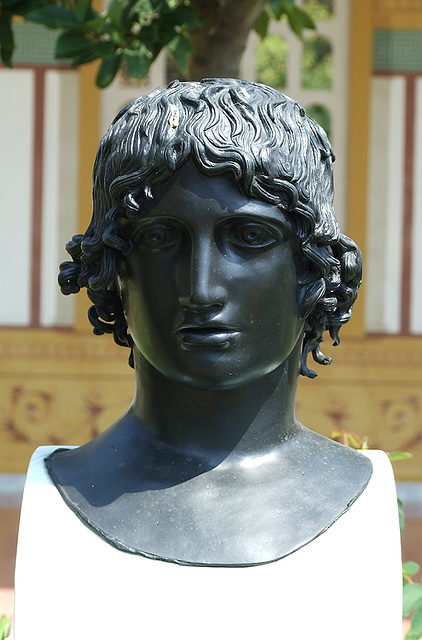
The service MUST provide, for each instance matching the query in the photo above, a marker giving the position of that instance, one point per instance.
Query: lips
(207, 336)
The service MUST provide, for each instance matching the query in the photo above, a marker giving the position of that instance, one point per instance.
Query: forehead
(192, 195)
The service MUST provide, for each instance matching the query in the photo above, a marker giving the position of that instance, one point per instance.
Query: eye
(157, 237)
(251, 234)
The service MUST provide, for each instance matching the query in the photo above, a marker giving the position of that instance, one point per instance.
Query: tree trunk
(220, 39)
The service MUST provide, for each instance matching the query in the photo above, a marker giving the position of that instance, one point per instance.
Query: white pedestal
(71, 585)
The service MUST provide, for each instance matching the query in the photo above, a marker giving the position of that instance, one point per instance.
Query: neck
(245, 420)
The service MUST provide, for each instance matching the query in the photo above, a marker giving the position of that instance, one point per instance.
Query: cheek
(273, 293)
(136, 306)
(274, 313)
(133, 300)
(149, 316)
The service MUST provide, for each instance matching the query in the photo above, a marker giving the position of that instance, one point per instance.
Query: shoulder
(37, 465)
(326, 458)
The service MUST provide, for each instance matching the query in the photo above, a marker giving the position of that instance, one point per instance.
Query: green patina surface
(397, 50)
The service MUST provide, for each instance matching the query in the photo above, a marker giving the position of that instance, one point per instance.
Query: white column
(416, 282)
(385, 206)
(60, 191)
(16, 165)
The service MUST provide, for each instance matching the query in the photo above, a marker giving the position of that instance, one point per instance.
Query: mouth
(206, 337)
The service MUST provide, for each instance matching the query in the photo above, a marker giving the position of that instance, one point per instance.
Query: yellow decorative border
(397, 14)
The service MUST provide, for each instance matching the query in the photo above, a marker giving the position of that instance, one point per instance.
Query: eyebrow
(248, 210)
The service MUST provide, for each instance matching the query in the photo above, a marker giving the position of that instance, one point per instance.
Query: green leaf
(4, 627)
(182, 15)
(81, 9)
(107, 71)
(261, 24)
(23, 7)
(104, 49)
(401, 515)
(410, 568)
(150, 39)
(157, 5)
(116, 37)
(305, 18)
(84, 58)
(412, 597)
(179, 49)
(12, 5)
(53, 17)
(71, 43)
(164, 30)
(7, 43)
(278, 8)
(415, 631)
(364, 443)
(138, 62)
(133, 13)
(399, 455)
(97, 50)
(299, 20)
(353, 441)
(96, 26)
(114, 11)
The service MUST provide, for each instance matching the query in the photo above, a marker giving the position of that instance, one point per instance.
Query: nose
(201, 285)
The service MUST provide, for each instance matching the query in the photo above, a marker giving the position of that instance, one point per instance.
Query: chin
(204, 371)
(213, 380)
(212, 384)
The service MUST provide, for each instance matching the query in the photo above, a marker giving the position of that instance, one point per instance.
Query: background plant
(204, 37)
(4, 627)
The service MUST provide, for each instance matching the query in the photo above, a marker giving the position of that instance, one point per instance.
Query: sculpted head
(266, 144)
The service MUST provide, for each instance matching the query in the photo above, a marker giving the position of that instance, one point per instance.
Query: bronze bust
(214, 255)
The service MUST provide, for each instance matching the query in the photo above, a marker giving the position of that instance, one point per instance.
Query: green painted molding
(35, 45)
(397, 50)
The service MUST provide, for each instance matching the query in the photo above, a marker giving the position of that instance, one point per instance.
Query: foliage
(4, 627)
(321, 114)
(9, 9)
(319, 9)
(317, 64)
(412, 591)
(297, 18)
(412, 600)
(128, 34)
(271, 61)
(349, 439)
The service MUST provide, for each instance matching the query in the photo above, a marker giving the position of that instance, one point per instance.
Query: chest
(64, 567)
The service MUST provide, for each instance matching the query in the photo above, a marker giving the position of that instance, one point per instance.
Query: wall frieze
(395, 5)
(68, 348)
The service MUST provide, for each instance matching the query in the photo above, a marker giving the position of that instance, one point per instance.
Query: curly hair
(261, 138)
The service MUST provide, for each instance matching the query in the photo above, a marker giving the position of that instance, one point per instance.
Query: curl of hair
(273, 151)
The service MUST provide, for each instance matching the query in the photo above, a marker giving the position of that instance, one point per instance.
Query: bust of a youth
(214, 255)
